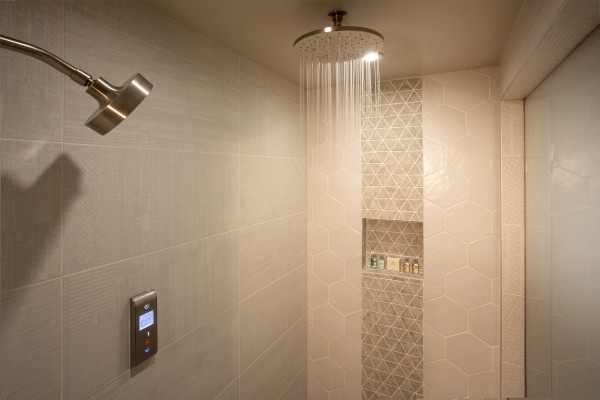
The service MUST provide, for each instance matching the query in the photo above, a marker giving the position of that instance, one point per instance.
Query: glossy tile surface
(561, 316)
(461, 127)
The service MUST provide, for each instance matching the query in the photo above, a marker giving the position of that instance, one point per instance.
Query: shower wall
(562, 209)
(461, 228)
(200, 195)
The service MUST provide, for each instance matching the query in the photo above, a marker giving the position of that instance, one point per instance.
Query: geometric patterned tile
(392, 337)
(392, 153)
(396, 238)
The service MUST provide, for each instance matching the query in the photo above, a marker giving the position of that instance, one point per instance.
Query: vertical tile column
(513, 248)
(392, 337)
(334, 266)
(392, 153)
(461, 142)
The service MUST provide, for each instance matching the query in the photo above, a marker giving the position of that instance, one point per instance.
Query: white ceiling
(421, 36)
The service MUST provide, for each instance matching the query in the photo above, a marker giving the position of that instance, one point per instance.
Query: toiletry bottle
(415, 266)
(406, 266)
(373, 260)
(381, 262)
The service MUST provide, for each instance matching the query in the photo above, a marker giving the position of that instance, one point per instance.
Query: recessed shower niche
(392, 210)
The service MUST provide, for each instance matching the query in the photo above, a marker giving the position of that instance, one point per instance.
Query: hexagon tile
(334, 246)
(461, 234)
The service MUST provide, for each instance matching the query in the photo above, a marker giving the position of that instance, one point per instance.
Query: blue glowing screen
(146, 319)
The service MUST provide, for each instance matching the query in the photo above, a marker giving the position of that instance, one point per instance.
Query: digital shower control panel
(143, 313)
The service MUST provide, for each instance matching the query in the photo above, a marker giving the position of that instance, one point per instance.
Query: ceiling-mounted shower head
(338, 43)
(116, 102)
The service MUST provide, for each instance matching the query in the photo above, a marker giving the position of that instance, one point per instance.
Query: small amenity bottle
(415, 266)
(406, 268)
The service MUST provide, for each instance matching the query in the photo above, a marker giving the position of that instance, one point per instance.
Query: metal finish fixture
(337, 42)
(115, 102)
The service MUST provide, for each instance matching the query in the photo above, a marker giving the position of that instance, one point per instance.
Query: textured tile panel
(392, 337)
(394, 238)
(392, 154)
(31, 211)
(30, 342)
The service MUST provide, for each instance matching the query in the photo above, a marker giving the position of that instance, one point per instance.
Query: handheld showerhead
(115, 102)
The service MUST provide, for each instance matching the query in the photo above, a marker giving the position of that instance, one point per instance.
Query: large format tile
(222, 192)
(298, 388)
(31, 211)
(96, 324)
(162, 121)
(265, 316)
(201, 366)
(178, 282)
(25, 81)
(215, 113)
(189, 214)
(30, 343)
(260, 77)
(270, 126)
(269, 376)
(104, 222)
(219, 276)
(270, 250)
(271, 188)
(157, 179)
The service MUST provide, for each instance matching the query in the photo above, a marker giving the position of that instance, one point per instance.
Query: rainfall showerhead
(115, 102)
(337, 42)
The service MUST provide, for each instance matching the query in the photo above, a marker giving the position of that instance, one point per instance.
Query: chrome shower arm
(55, 62)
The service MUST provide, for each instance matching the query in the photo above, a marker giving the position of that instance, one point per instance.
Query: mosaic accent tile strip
(392, 153)
(392, 337)
(396, 238)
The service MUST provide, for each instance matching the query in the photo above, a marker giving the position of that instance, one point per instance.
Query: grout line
(62, 220)
(305, 315)
(304, 366)
(112, 263)
(239, 195)
(63, 142)
(272, 283)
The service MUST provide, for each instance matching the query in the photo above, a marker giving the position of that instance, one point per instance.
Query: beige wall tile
(164, 118)
(219, 276)
(202, 365)
(24, 80)
(101, 332)
(104, 221)
(462, 191)
(270, 375)
(270, 188)
(231, 392)
(31, 211)
(178, 285)
(298, 388)
(266, 315)
(153, 204)
(156, 209)
(30, 342)
(270, 250)
(270, 126)
(260, 77)
(223, 190)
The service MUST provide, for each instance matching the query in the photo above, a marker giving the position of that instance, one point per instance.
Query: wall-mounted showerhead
(338, 43)
(115, 102)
